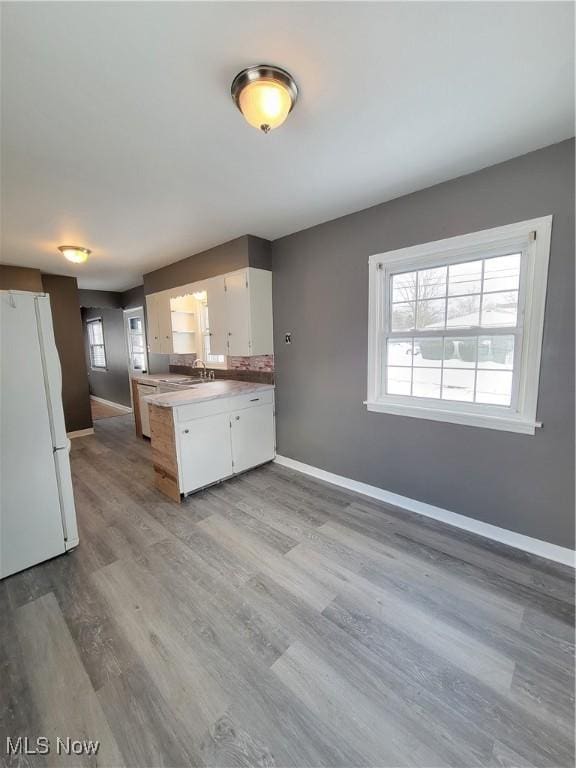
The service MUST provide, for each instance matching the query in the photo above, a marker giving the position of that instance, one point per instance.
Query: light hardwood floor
(276, 620)
(104, 411)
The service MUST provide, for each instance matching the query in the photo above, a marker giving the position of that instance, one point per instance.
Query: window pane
(426, 382)
(460, 352)
(135, 324)
(404, 287)
(499, 309)
(494, 387)
(463, 312)
(400, 352)
(402, 317)
(398, 380)
(430, 314)
(432, 282)
(502, 273)
(458, 385)
(496, 352)
(97, 337)
(464, 278)
(428, 352)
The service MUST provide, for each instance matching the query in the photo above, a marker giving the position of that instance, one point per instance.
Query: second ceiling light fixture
(265, 95)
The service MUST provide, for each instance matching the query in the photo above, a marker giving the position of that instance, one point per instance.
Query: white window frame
(530, 238)
(89, 323)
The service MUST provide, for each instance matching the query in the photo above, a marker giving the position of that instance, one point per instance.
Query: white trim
(487, 421)
(123, 408)
(521, 417)
(80, 433)
(517, 540)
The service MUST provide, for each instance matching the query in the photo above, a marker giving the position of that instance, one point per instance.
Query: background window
(96, 343)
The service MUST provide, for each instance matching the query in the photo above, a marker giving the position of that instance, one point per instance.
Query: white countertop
(158, 378)
(212, 390)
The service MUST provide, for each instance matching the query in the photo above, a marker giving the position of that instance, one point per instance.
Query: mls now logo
(23, 745)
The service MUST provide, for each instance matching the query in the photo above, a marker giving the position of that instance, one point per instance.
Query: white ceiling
(119, 133)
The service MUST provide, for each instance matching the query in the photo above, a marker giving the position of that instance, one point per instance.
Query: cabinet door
(260, 288)
(152, 323)
(164, 322)
(252, 432)
(216, 299)
(205, 455)
(238, 313)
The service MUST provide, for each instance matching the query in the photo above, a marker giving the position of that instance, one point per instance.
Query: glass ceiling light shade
(74, 253)
(265, 95)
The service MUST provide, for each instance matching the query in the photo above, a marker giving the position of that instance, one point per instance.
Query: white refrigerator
(37, 514)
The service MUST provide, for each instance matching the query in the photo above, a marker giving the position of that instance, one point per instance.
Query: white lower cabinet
(219, 438)
(252, 436)
(204, 454)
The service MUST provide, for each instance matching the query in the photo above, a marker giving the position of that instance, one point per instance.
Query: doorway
(136, 341)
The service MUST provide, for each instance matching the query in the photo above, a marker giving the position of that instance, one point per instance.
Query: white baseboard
(511, 538)
(123, 408)
(80, 433)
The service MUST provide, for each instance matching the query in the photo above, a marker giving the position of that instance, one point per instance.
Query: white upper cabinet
(216, 298)
(159, 323)
(239, 306)
(238, 313)
(249, 312)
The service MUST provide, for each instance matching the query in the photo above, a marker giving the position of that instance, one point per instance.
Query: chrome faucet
(203, 374)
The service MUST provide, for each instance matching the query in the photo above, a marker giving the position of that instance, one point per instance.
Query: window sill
(503, 423)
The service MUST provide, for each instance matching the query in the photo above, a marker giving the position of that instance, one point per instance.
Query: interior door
(216, 300)
(238, 313)
(136, 341)
(252, 432)
(205, 455)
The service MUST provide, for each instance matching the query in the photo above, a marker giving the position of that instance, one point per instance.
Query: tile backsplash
(254, 363)
(259, 368)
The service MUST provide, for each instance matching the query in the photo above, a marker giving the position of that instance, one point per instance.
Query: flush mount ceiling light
(265, 95)
(74, 253)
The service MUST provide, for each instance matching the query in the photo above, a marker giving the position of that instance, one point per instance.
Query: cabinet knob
(229, 333)
(237, 418)
(186, 431)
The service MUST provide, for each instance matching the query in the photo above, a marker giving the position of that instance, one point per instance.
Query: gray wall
(20, 279)
(523, 483)
(65, 304)
(111, 299)
(245, 251)
(132, 298)
(114, 383)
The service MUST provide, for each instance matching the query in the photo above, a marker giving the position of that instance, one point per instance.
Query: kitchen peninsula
(207, 431)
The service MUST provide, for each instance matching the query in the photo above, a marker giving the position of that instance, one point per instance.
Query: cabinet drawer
(198, 410)
(265, 397)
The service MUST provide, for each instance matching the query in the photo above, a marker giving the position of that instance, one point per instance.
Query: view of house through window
(453, 331)
(455, 327)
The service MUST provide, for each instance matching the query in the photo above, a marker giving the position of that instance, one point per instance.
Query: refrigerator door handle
(52, 371)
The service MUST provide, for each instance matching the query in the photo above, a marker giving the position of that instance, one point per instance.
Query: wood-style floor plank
(275, 620)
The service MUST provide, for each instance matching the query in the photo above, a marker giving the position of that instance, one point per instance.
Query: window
(96, 343)
(136, 343)
(455, 327)
(218, 361)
